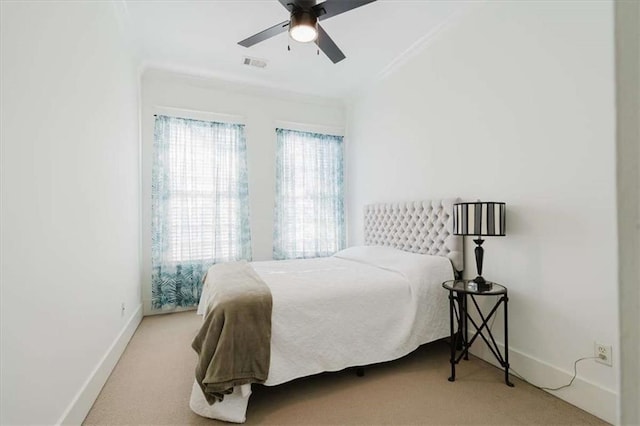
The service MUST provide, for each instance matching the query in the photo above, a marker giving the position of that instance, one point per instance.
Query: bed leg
(359, 371)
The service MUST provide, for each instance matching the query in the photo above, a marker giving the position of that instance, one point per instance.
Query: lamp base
(482, 284)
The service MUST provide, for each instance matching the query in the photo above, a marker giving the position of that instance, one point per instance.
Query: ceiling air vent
(254, 62)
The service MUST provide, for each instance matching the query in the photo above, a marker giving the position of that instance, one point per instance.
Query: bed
(363, 305)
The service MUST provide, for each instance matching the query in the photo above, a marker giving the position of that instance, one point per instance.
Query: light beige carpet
(152, 382)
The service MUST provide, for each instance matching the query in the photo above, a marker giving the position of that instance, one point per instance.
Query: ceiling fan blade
(263, 35)
(298, 4)
(327, 45)
(330, 8)
(287, 4)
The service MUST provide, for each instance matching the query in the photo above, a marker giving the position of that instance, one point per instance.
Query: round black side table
(459, 293)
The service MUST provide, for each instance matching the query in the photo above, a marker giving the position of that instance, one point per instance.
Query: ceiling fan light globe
(302, 27)
(303, 33)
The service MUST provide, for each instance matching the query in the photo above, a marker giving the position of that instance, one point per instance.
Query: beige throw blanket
(234, 343)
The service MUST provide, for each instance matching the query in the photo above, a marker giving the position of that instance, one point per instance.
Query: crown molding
(412, 51)
(231, 83)
(422, 43)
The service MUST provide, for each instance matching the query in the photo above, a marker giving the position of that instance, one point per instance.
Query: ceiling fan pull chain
(289, 47)
(318, 52)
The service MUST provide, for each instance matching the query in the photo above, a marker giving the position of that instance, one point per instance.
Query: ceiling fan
(303, 24)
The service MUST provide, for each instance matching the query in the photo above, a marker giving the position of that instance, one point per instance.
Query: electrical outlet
(122, 309)
(603, 353)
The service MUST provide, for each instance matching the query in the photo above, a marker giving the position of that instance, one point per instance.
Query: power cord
(519, 376)
(575, 373)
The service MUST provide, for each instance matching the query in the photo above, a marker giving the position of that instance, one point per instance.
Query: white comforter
(363, 305)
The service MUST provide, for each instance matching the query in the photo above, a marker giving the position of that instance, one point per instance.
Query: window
(200, 206)
(309, 213)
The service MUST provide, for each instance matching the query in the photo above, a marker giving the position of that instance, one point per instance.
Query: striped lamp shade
(479, 218)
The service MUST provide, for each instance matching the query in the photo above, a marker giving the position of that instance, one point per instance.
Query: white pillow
(371, 254)
(412, 265)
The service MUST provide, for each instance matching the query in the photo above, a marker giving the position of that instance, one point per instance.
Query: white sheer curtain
(309, 212)
(200, 205)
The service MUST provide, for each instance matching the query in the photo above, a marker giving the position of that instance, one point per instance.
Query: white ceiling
(200, 37)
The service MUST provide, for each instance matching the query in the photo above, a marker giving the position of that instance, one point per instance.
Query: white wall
(514, 102)
(261, 110)
(627, 18)
(70, 231)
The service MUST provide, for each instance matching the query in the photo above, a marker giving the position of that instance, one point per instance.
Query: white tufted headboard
(424, 227)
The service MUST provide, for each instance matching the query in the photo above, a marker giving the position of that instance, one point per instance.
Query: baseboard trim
(589, 396)
(86, 396)
(149, 311)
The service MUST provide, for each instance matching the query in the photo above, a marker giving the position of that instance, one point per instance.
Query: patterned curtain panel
(200, 205)
(309, 213)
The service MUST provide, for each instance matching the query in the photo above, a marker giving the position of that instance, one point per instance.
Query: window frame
(196, 115)
(282, 251)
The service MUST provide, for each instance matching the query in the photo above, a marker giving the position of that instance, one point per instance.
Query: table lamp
(479, 219)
